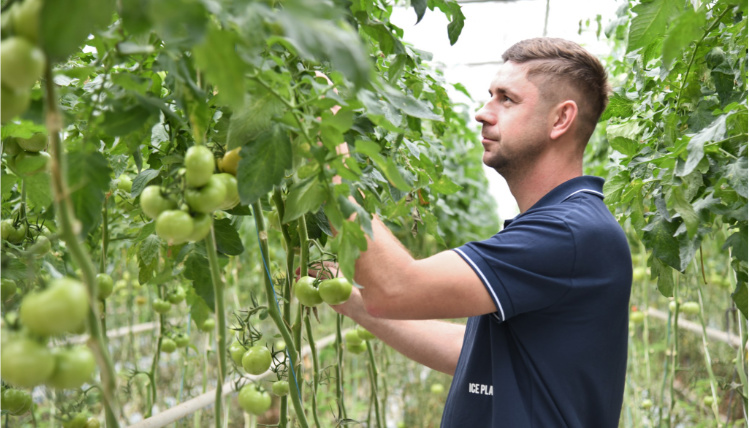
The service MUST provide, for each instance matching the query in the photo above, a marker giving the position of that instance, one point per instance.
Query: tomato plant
(60, 308)
(306, 292)
(335, 291)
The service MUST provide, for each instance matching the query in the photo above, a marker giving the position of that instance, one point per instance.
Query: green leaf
(254, 118)
(141, 181)
(659, 235)
(351, 243)
(7, 182)
(199, 310)
(178, 21)
(625, 146)
(650, 23)
(88, 175)
(684, 208)
(327, 40)
(217, 56)
(65, 25)
(455, 27)
(420, 7)
(619, 106)
(125, 119)
(38, 190)
(696, 147)
(446, 186)
(304, 197)
(198, 271)
(684, 30)
(740, 297)
(149, 249)
(665, 275)
(408, 104)
(227, 238)
(736, 174)
(263, 164)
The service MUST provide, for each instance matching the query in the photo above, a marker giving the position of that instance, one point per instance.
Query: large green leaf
(198, 271)
(254, 118)
(651, 22)
(304, 197)
(217, 56)
(684, 30)
(263, 164)
(65, 25)
(38, 190)
(88, 178)
(227, 238)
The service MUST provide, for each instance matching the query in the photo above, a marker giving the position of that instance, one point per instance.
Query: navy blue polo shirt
(555, 352)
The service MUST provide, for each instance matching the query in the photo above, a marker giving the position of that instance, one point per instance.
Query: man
(545, 344)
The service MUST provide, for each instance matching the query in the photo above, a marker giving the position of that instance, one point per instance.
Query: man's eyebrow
(501, 90)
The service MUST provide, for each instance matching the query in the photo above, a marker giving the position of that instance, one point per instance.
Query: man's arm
(435, 344)
(397, 286)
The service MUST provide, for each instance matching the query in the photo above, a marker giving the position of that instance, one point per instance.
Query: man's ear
(565, 114)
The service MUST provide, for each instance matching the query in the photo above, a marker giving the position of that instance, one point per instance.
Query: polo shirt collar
(584, 183)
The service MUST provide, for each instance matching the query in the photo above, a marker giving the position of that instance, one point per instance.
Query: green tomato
(231, 199)
(125, 184)
(16, 402)
(8, 288)
(77, 421)
(637, 317)
(41, 247)
(22, 65)
(208, 198)
(104, 286)
(73, 367)
(364, 334)
(199, 166)
(161, 306)
(181, 340)
(35, 143)
(236, 350)
(252, 400)
(92, 422)
(24, 362)
(176, 295)
(305, 291)
(26, 164)
(10, 146)
(201, 227)
(352, 337)
(708, 400)
(60, 308)
(356, 348)
(208, 325)
(335, 291)
(280, 388)
(25, 18)
(230, 161)
(256, 360)
(13, 102)
(174, 226)
(168, 345)
(690, 308)
(153, 202)
(437, 389)
(646, 404)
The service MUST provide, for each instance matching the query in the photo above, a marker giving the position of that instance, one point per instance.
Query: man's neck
(543, 177)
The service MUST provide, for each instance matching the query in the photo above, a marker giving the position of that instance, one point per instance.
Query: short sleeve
(527, 266)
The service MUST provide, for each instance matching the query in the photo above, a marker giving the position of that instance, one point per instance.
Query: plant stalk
(218, 292)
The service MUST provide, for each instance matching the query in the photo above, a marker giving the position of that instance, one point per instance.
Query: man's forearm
(433, 343)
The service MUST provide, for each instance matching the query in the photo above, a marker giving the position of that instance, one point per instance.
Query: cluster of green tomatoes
(23, 61)
(204, 191)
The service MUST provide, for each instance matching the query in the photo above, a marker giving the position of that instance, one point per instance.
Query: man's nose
(484, 115)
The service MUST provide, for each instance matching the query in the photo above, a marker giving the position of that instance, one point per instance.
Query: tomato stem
(339, 366)
(66, 217)
(218, 292)
(315, 368)
(274, 312)
(373, 374)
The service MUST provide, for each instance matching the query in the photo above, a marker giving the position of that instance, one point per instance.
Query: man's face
(514, 121)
